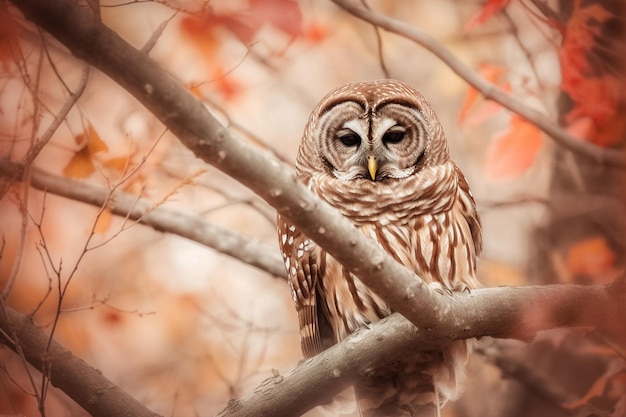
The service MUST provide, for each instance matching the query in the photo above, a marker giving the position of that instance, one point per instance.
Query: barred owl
(377, 152)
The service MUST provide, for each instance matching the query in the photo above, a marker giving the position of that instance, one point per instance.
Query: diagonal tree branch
(247, 249)
(80, 29)
(601, 155)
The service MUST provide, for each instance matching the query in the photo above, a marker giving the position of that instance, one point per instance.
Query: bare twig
(156, 35)
(600, 155)
(379, 46)
(58, 119)
(249, 250)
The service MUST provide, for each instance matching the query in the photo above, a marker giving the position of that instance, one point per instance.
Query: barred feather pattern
(417, 207)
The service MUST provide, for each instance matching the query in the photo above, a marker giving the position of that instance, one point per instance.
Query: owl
(376, 151)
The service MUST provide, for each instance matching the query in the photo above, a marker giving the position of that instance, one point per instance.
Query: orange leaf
(119, 164)
(81, 164)
(512, 152)
(590, 257)
(490, 8)
(482, 112)
(104, 222)
(94, 142)
(284, 15)
(493, 74)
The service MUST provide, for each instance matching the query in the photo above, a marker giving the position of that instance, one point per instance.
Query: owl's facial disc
(359, 142)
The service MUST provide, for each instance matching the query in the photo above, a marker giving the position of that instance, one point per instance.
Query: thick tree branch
(316, 380)
(601, 155)
(247, 249)
(86, 385)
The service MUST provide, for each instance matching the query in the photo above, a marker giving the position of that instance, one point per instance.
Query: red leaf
(199, 30)
(225, 84)
(315, 33)
(485, 109)
(590, 257)
(10, 51)
(282, 14)
(596, 95)
(512, 152)
(490, 8)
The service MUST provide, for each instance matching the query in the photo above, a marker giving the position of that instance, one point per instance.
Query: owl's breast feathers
(365, 201)
(420, 212)
(428, 224)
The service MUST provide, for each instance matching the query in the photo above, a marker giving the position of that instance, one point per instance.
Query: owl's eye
(394, 135)
(349, 138)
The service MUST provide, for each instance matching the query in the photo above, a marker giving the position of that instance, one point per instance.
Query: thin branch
(19, 256)
(379, 46)
(58, 119)
(581, 147)
(86, 385)
(247, 249)
(156, 35)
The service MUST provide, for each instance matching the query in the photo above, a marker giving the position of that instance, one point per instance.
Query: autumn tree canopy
(147, 145)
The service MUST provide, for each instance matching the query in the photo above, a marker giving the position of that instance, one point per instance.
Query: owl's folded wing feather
(304, 262)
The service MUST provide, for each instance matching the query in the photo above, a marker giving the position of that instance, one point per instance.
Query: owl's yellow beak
(372, 166)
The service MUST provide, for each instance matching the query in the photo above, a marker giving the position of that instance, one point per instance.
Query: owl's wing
(305, 264)
(470, 213)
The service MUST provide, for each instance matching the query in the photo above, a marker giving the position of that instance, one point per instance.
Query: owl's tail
(417, 386)
(406, 390)
(343, 404)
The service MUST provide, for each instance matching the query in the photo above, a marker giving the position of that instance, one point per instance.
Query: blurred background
(182, 327)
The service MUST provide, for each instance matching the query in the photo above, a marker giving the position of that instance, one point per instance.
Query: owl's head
(374, 130)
